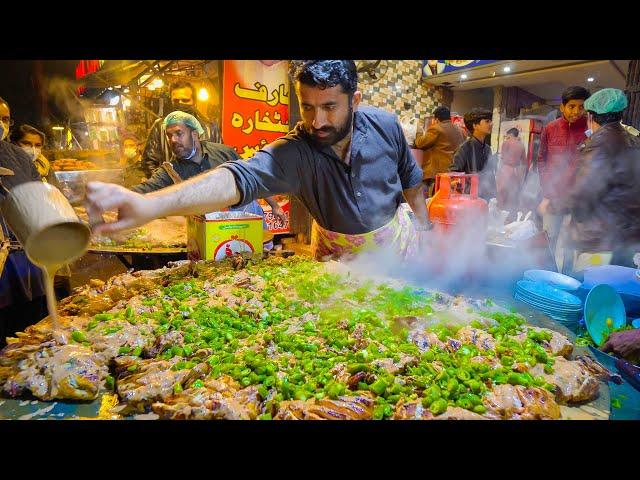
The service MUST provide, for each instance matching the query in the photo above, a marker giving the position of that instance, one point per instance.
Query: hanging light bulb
(203, 94)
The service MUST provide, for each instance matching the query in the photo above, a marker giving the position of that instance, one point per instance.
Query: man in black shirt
(474, 155)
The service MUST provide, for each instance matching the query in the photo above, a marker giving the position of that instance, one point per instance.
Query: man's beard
(182, 152)
(335, 134)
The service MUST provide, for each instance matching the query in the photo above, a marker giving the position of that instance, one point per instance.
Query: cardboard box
(218, 235)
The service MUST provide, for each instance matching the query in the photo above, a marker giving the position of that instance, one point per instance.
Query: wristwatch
(423, 227)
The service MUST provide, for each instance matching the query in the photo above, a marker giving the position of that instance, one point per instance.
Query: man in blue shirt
(349, 165)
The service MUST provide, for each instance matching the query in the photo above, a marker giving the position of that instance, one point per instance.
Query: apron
(399, 235)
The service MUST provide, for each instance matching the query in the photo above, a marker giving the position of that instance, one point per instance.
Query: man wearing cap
(605, 201)
(349, 165)
(156, 149)
(192, 156)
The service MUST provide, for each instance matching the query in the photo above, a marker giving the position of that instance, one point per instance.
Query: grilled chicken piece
(152, 380)
(493, 362)
(108, 344)
(511, 402)
(573, 380)
(457, 413)
(163, 342)
(415, 411)
(359, 335)
(452, 344)
(395, 367)
(58, 372)
(343, 408)
(200, 404)
(218, 399)
(295, 410)
(340, 372)
(598, 370)
(425, 340)
(477, 337)
(412, 411)
(558, 345)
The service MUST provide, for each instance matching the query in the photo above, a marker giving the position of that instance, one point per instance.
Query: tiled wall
(402, 83)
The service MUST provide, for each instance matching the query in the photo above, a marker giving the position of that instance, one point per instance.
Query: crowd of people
(588, 179)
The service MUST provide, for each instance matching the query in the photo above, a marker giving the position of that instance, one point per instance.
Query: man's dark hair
(604, 118)
(19, 133)
(325, 74)
(442, 113)
(475, 116)
(513, 131)
(2, 100)
(183, 84)
(575, 93)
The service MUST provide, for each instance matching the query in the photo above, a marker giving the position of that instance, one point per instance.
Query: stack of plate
(556, 303)
(555, 279)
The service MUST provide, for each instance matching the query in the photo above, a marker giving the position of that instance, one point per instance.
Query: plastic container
(603, 311)
(623, 280)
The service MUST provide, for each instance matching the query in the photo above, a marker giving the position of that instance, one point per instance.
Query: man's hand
(278, 213)
(625, 343)
(543, 208)
(133, 209)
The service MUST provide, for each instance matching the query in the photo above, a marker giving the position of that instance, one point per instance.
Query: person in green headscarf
(605, 202)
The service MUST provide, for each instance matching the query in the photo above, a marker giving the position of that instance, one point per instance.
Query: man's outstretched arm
(208, 192)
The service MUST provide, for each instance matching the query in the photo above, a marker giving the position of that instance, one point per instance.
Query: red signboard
(255, 112)
(255, 104)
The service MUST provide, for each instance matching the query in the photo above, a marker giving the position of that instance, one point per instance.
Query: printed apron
(399, 234)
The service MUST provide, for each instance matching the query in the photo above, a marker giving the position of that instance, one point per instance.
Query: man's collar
(481, 142)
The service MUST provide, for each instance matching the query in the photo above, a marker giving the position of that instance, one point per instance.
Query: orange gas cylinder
(459, 218)
(455, 203)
